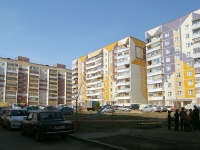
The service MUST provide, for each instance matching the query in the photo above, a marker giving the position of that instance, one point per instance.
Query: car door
(68, 110)
(27, 123)
(6, 117)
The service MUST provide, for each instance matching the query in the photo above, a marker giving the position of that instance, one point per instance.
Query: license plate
(59, 127)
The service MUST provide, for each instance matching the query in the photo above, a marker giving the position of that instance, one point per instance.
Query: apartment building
(114, 74)
(173, 61)
(24, 82)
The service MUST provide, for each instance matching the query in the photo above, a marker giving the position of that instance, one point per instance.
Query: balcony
(155, 65)
(93, 94)
(94, 60)
(123, 76)
(154, 57)
(123, 90)
(94, 88)
(31, 91)
(122, 56)
(155, 81)
(123, 97)
(155, 98)
(94, 77)
(154, 40)
(194, 36)
(95, 82)
(153, 49)
(195, 26)
(158, 89)
(122, 50)
(126, 62)
(197, 65)
(123, 83)
(95, 71)
(11, 89)
(95, 65)
(155, 73)
(123, 70)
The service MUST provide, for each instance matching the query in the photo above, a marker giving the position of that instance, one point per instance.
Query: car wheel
(9, 127)
(22, 131)
(71, 113)
(63, 136)
(37, 136)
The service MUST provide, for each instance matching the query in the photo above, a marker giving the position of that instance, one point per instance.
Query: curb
(96, 142)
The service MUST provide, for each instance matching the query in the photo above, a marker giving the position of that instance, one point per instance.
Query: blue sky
(59, 31)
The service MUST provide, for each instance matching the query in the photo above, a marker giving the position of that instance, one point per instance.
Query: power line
(47, 35)
(54, 27)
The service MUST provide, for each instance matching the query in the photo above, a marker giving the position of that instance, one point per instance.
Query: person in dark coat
(181, 115)
(191, 122)
(196, 118)
(176, 119)
(169, 117)
(185, 121)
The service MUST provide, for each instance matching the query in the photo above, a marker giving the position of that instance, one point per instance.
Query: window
(188, 54)
(187, 27)
(168, 59)
(176, 39)
(187, 36)
(179, 83)
(176, 30)
(169, 93)
(189, 63)
(166, 43)
(167, 51)
(187, 45)
(166, 34)
(178, 66)
(169, 84)
(177, 48)
(179, 93)
(168, 68)
(178, 57)
(189, 73)
(178, 74)
(190, 92)
(190, 82)
(169, 76)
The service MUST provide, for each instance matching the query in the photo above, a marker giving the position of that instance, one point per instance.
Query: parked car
(108, 109)
(147, 108)
(142, 106)
(28, 108)
(50, 108)
(123, 108)
(157, 109)
(164, 109)
(1, 115)
(168, 108)
(13, 117)
(66, 110)
(134, 106)
(43, 123)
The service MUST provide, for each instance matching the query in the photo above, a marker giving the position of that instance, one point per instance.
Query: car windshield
(50, 116)
(19, 113)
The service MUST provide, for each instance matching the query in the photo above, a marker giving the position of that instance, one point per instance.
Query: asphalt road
(13, 140)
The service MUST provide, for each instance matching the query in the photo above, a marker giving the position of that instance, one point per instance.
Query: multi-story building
(173, 56)
(24, 82)
(113, 74)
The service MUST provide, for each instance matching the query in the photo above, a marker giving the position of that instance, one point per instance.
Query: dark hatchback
(45, 123)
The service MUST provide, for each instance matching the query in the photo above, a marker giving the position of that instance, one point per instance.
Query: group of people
(187, 121)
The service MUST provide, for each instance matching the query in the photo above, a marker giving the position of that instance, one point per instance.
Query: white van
(142, 106)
